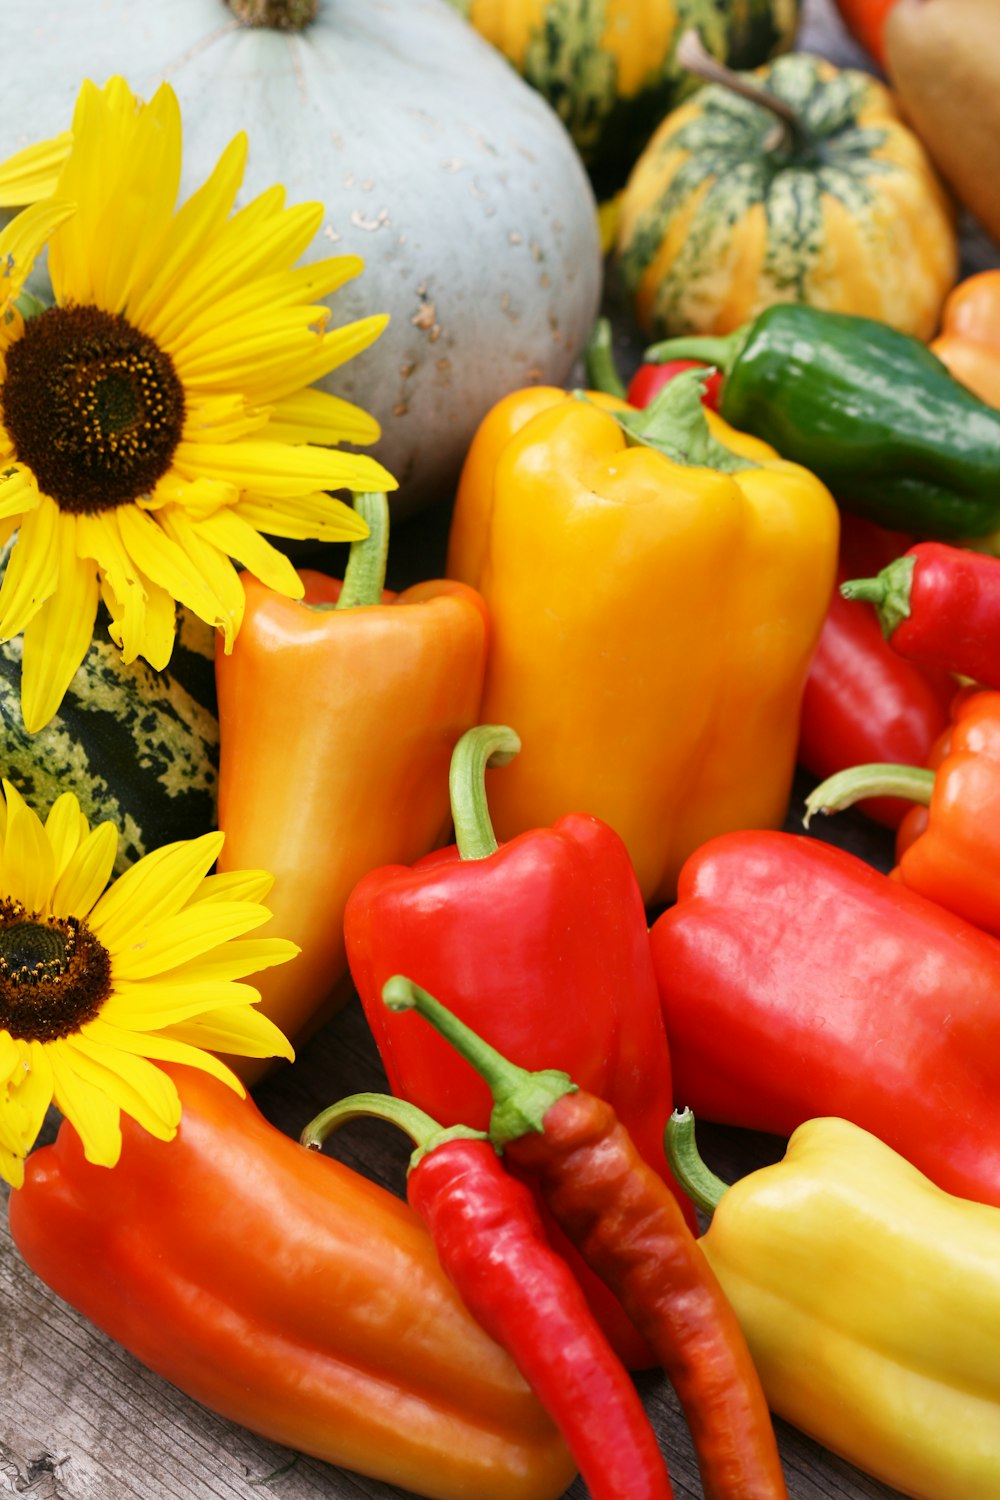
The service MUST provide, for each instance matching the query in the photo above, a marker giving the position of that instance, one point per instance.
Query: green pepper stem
(847, 787)
(889, 591)
(485, 745)
(364, 576)
(700, 1183)
(720, 350)
(599, 360)
(674, 424)
(521, 1099)
(425, 1133)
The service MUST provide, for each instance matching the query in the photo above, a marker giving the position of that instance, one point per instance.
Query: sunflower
(158, 417)
(98, 985)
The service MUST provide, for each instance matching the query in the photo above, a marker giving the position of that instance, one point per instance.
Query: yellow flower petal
(21, 242)
(272, 378)
(32, 571)
(162, 1049)
(243, 1033)
(239, 959)
(185, 935)
(145, 1005)
(156, 886)
(34, 1091)
(31, 174)
(234, 885)
(18, 492)
(29, 863)
(162, 560)
(210, 563)
(138, 1087)
(58, 636)
(298, 517)
(94, 1115)
(284, 473)
(63, 830)
(235, 538)
(317, 417)
(87, 873)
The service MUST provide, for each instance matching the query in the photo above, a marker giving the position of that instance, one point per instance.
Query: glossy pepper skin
(969, 339)
(869, 410)
(336, 732)
(863, 701)
(540, 945)
(652, 619)
(797, 980)
(627, 1226)
(492, 1246)
(950, 852)
(278, 1288)
(940, 606)
(899, 1372)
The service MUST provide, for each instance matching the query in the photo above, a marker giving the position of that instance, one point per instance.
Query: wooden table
(81, 1420)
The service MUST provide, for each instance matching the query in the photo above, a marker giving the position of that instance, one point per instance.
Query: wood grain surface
(81, 1420)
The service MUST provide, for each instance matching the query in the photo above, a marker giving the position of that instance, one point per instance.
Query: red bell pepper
(541, 945)
(628, 1227)
(492, 1246)
(649, 379)
(862, 701)
(953, 856)
(940, 606)
(796, 981)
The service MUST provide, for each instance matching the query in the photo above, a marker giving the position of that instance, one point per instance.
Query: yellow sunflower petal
(11, 1057)
(29, 862)
(18, 492)
(163, 1049)
(32, 571)
(234, 538)
(233, 885)
(282, 472)
(239, 959)
(136, 1085)
(11, 1165)
(34, 1091)
(270, 379)
(242, 1033)
(253, 296)
(58, 636)
(21, 242)
(185, 935)
(162, 560)
(85, 177)
(199, 497)
(138, 213)
(317, 417)
(87, 873)
(31, 174)
(156, 886)
(98, 538)
(221, 419)
(62, 829)
(299, 517)
(144, 1005)
(210, 563)
(94, 1115)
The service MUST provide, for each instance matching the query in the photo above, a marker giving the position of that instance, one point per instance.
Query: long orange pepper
(969, 340)
(338, 714)
(948, 846)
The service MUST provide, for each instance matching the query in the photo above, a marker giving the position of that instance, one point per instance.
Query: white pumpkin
(435, 162)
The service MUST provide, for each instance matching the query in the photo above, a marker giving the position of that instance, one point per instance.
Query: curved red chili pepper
(628, 1227)
(492, 1245)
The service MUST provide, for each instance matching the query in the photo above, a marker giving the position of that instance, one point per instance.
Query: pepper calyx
(674, 424)
(889, 591)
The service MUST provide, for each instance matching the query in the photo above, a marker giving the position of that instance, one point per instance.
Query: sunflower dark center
(93, 406)
(54, 974)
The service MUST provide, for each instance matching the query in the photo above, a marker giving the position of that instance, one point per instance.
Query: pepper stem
(364, 576)
(425, 1133)
(674, 424)
(847, 787)
(889, 591)
(599, 360)
(789, 133)
(486, 745)
(699, 1182)
(720, 350)
(521, 1099)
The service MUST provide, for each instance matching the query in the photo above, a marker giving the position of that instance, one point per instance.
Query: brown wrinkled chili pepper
(627, 1225)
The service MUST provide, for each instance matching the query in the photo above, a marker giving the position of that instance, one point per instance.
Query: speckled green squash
(721, 217)
(138, 747)
(608, 67)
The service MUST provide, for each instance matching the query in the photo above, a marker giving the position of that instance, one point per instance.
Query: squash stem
(276, 15)
(789, 133)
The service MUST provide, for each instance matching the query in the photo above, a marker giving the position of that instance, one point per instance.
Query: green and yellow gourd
(730, 209)
(137, 747)
(609, 67)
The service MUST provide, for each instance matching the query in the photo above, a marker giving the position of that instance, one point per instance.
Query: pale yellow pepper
(653, 618)
(870, 1299)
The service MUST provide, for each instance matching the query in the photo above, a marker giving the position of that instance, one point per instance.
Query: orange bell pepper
(338, 714)
(969, 340)
(288, 1293)
(653, 614)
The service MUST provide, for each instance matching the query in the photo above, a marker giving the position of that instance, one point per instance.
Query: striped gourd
(608, 67)
(725, 213)
(138, 747)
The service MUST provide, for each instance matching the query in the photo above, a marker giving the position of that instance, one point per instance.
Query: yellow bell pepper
(870, 1299)
(653, 616)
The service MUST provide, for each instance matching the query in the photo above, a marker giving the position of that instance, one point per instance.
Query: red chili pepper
(939, 606)
(798, 981)
(955, 858)
(628, 1227)
(541, 945)
(862, 701)
(492, 1246)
